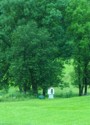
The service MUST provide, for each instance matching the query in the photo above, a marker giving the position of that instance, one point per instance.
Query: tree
(78, 23)
(33, 57)
(34, 34)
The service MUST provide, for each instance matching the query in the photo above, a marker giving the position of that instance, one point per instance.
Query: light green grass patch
(70, 111)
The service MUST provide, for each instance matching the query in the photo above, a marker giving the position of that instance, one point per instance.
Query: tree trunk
(33, 83)
(80, 90)
(85, 77)
(85, 92)
(34, 89)
(26, 88)
(44, 91)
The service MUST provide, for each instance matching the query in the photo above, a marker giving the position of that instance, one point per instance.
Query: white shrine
(51, 93)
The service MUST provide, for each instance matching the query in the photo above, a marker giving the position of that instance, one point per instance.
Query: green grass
(65, 111)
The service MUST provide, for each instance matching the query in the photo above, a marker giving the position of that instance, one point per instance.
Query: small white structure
(51, 93)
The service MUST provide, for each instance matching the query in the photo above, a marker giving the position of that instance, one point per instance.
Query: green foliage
(30, 35)
(37, 37)
(33, 55)
(77, 17)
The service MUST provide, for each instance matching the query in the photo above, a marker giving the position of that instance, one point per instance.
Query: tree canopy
(37, 37)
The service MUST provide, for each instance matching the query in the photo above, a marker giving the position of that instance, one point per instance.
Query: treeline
(37, 37)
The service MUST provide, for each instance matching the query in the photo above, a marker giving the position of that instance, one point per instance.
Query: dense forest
(37, 37)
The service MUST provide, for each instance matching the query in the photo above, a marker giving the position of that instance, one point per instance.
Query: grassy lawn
(65, 111)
